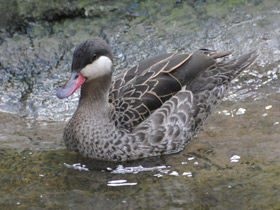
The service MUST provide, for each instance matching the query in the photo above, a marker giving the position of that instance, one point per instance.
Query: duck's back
(145, 87)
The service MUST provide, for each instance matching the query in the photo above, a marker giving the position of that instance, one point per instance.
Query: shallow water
(232, 164)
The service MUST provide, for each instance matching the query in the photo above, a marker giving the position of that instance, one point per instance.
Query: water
(232, 164)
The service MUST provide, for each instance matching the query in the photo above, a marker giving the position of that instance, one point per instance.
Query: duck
(156, 107)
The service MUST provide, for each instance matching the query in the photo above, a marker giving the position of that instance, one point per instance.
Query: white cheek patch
(98, 68)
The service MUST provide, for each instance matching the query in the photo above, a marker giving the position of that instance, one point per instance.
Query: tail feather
(209, 88)
(215, 54)
(240, 64)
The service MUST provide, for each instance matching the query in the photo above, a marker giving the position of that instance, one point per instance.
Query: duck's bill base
(75, 81)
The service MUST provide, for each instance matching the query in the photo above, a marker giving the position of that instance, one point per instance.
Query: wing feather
(147, 86)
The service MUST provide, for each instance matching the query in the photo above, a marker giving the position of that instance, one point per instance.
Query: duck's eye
(94, 57)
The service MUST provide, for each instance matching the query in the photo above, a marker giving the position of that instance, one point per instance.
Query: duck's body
(154, 108)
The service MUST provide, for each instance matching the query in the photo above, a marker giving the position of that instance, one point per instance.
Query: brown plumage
(153, 108)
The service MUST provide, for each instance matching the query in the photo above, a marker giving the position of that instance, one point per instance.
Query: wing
(145, 87)
(169, 128)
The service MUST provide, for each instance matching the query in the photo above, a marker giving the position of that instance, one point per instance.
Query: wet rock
(36, 63)
(16, 15)
(56, 15)
(11, 20)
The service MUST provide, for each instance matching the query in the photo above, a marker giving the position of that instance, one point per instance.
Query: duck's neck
(94, 95)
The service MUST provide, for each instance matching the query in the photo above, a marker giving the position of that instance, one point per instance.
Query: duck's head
(92, 59)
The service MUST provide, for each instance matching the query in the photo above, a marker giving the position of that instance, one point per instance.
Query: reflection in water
(240, 111)
(118, 183)
(268, 107)
(234, 159)
(188, 174)
(77, 166)
(134, 170)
